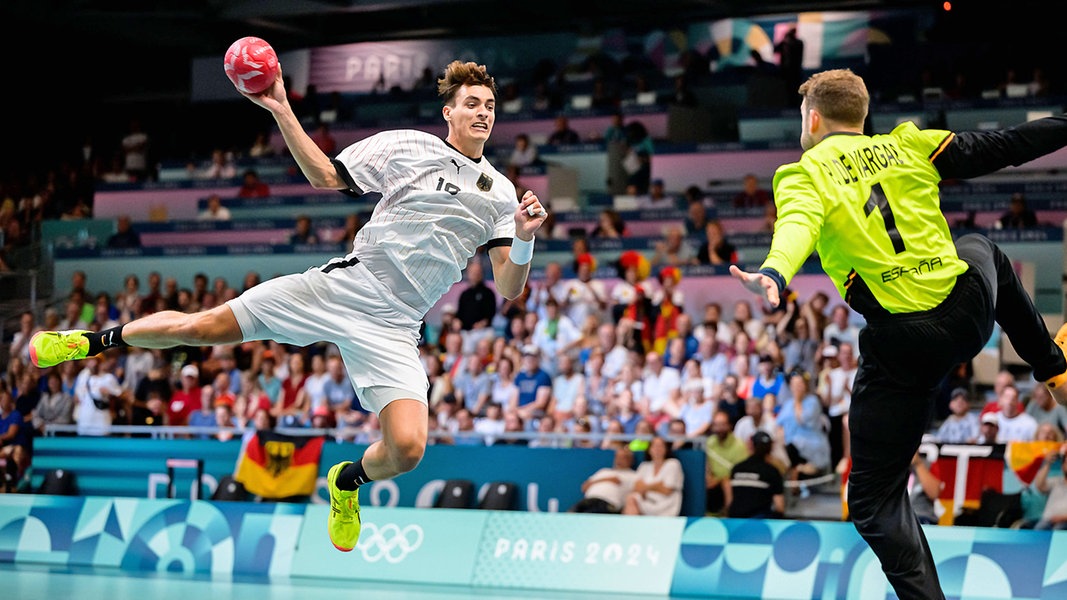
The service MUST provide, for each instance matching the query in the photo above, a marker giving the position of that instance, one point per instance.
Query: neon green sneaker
(49, 348)
(343, 523)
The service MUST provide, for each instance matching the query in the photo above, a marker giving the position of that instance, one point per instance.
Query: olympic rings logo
(389, 542)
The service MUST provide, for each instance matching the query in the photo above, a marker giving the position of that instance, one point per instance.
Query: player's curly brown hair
(838, 94)
(458, 74)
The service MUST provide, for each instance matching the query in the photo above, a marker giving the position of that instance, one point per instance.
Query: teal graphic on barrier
(139, 535)
(725, 558)
(578, 552)
(395, 544)
(789, 559)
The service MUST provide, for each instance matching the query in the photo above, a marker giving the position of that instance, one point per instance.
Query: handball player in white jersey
(440, 201)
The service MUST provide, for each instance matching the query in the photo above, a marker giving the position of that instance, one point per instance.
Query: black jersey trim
(476, 160)
(342, 172)
(341, 264)
(941, 147)
(493, 243)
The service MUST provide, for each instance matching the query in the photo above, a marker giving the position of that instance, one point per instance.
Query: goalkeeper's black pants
(903, 360)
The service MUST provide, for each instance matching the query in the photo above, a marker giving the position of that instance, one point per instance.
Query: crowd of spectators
(566, 358)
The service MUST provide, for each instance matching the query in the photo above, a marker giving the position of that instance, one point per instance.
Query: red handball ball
(251, 65)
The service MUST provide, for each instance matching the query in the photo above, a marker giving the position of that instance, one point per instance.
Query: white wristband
(521, 251)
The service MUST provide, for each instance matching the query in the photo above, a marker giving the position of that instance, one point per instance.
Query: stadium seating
(456, 493)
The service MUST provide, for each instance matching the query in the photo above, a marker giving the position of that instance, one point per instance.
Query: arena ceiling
(100, 43)
(205, 26)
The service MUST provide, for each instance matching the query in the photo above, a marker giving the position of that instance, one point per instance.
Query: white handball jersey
(437, 208)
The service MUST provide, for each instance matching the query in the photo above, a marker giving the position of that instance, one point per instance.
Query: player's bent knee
(407, 454)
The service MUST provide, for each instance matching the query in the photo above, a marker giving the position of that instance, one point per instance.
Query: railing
(341, 435)
(170, 432)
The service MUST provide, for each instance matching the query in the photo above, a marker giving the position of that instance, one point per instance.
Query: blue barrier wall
(704, 557)
(549, 479)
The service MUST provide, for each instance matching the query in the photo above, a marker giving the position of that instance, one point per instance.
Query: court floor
(41, 582)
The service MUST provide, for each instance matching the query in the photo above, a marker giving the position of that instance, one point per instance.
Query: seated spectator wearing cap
(322, 417)
(186, 399)
(657, 198)
(534, 384)
(961, 425)
(757, 489)
(988, 429)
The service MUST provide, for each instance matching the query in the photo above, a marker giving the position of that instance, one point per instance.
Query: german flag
(273, 465)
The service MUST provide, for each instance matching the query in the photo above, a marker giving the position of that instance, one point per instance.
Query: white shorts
(376, 334)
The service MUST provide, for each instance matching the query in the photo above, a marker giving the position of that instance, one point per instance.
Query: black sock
(352, 476)
(104, 340)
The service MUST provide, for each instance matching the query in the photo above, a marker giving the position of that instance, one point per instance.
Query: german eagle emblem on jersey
(485, 183)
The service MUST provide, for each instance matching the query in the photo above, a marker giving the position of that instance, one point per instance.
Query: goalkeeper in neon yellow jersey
(869, 206)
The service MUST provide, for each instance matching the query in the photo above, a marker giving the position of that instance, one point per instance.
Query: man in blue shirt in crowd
(535, 385)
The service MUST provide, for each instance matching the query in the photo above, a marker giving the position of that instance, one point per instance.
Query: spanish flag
(1025, 458)
(273, 465)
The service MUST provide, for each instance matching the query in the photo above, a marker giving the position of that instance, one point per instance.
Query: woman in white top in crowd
(658, 488)
(504, 389)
